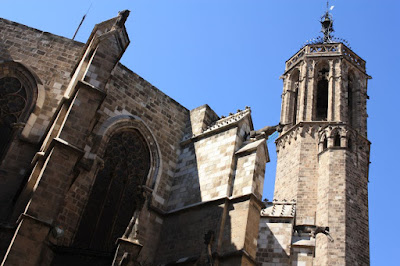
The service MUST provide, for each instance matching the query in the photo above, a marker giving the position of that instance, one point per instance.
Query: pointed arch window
(13, 103)
(322, 100)
(325, 144)
(349, 144)
(295, 95)
(350, 99)
(322, 95)
(336, 140)
(116, 192)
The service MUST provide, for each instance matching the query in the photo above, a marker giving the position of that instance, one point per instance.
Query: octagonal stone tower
(323, 161)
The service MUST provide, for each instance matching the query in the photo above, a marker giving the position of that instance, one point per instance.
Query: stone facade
(323, 160)
(99, 167)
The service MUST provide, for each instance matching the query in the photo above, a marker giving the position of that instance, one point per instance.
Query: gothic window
(350, 104)
(325, 144)
(336, 141)
(295, 91)
(116, 192)
(349, 144)
(322, 95)
(13, 101)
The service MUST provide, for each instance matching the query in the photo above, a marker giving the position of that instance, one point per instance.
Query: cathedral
(99, 167)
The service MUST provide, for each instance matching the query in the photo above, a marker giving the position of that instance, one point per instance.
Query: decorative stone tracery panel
(116, 193)
(13, 102)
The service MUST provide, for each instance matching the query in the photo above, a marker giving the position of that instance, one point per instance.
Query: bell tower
(323, 152)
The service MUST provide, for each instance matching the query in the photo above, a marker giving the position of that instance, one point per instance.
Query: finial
(327, 30)
(121, 18)
(327, 24)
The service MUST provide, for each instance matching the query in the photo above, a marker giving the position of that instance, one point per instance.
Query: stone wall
(205, 173)
(44, 62)
(274, 246)
(125, 97)
(217, 165)
(331, 203)
(357, 233)
(288, 169)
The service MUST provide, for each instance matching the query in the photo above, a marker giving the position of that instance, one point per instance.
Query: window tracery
(116, 193)
(13, 101)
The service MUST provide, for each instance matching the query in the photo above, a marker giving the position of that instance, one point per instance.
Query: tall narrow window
(349, 144)
(325, 144)
(114, 195)
(350, 90)
(336, 141)
(13, 101)
(295, 90)
(322, 97)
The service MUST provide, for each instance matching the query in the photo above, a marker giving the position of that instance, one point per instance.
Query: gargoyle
(313, 230)
(323, 230)
(266, 131)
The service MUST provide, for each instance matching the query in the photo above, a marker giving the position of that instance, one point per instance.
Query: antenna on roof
(83, 18)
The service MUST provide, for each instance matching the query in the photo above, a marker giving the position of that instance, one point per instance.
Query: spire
(327, 24)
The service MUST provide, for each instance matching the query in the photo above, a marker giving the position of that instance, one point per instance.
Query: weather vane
(327, 29)
(327, 24)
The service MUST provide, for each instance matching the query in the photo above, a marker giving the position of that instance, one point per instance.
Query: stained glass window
(115, 193)
(13, 101)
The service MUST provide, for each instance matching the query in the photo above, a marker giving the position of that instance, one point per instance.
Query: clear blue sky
(230, 53)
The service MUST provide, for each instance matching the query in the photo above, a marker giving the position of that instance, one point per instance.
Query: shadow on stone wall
(274, 241)
(183, 234)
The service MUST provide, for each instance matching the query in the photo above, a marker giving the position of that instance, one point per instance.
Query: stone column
(303, 91)
(340, 98)
(285, 100)
(310, 94)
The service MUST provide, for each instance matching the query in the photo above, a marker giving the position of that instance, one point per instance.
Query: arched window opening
(349, 144)
(322, 100)
(116, 192)
(13, 102)
(350, 104)
(325, 144)
(295, 90)
(336, 141)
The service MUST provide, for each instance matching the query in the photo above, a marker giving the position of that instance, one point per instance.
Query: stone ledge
(213, 201)
(86, 85)
(25, 215)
